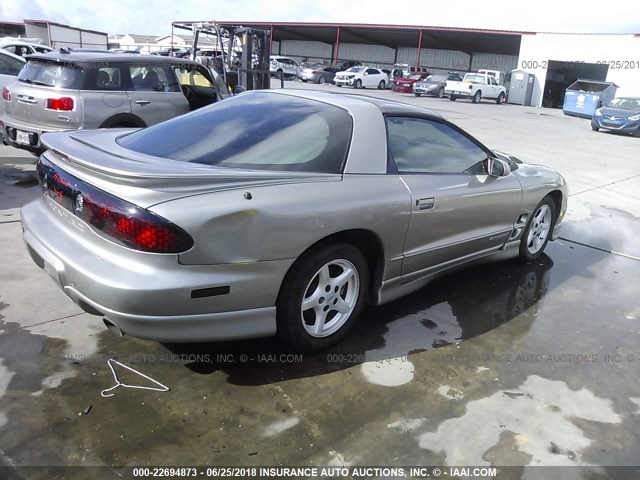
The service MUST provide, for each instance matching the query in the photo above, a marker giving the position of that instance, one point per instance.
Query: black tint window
(372, 71)
(153, 78)
(9, 65)
(52, 74)
(424, 146)
(106, 78)
(255, 130)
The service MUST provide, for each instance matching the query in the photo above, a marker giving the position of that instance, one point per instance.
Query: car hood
(346, 74)
(95, 156)
(619, 112)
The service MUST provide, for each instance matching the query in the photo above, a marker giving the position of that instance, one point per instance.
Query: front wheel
(595, 129)
(500, 98)
(357, 84)
(321, 297)
(477, 97)
(381, 85)
(539, 229)
(417, 94)
(440, 92)
(321, 80)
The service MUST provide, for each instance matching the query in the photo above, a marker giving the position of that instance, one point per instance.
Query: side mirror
(237, 90)
(496, 167)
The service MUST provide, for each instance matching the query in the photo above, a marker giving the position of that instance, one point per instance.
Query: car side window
(425, 146)
(108, 78)
(492, 81)
(10, 66)
(153, 78)
(372, 71)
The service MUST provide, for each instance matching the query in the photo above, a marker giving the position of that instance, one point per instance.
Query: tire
(477, 97)
(595, 129)
(298, 327)
(338, 85)
(541, 222)
(440, 93)
(381, 85)
(500, 99)
(322, 80)
(453, 98)
(357, 84)
(417, 94)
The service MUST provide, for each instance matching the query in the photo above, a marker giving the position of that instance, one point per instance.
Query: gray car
(317, 74)
(310, 206)
(434, 84)
(69, 90)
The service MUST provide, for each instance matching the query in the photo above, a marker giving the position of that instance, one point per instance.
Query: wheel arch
(368, 242)
(556, 196)
(123, 119)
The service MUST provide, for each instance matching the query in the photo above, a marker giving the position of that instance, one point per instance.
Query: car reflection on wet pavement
(458, 372)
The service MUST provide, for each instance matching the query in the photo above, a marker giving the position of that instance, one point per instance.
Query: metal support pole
(336, 50)
(271, 41)
(419, 49)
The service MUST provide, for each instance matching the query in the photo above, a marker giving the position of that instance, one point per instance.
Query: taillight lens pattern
(6, 94)
(122, 221)
(64, 104)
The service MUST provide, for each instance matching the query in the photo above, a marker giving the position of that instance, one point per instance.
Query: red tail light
(64, 104)
(125, 223)
(6, 94)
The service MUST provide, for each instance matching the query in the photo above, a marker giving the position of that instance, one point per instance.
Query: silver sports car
(277, 212)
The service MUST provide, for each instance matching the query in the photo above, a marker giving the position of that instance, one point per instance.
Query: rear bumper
(150, 295)
(10, 126)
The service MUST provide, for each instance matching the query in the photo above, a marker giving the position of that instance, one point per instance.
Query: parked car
(476, 86)
(400, 70)
(10, 66)
(435, 84)
(620, 115)
(21, 49)
(405, 84)
(317, 74)
(79, 90)
(283, 65)
(361, 77)
(310, 206)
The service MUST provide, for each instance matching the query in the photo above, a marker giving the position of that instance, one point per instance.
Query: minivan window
(52, 74)
(255, 130)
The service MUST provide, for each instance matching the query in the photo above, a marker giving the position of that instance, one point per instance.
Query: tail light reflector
(63, 103)
(6, 94)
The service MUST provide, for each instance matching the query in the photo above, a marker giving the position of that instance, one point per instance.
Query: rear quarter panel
(281, 222)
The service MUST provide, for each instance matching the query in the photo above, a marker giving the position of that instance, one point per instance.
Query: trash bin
(584, 97)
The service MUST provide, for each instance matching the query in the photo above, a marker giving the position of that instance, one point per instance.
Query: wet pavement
(499, 364)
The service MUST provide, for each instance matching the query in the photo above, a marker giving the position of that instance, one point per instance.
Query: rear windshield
(52, 74)
(255, 130)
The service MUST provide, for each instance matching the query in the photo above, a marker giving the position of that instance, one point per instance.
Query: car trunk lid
(95, 157)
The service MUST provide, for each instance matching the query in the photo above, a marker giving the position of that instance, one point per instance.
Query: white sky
(154, 17)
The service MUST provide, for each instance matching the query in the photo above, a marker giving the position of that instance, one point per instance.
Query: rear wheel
(321, 297)
(500, 98)
(477, 97)
(357, 84)
(321, 80)
(381, 85)
(539, 229)
(453, 98)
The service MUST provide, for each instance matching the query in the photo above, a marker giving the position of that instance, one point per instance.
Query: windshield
(625, 103)
(255, 130)
(437, 78)
(52, 74)
(355, 69)
(415, 76)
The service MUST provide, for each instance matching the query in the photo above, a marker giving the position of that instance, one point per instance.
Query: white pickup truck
(476, 86)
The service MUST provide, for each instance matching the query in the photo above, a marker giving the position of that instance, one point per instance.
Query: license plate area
(23, 137)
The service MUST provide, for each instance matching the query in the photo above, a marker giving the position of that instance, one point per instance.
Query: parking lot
(503, 364)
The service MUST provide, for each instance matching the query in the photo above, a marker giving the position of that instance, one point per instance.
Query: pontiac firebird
(279, 212)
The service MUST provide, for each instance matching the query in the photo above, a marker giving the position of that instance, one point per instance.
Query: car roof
(80, 57)
(340, 99)
(18, 42)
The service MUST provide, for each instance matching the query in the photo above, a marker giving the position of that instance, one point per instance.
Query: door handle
(143, 102)
(426, 203)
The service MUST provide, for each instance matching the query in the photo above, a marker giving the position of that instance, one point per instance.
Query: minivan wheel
(321, 297)
(539, 229)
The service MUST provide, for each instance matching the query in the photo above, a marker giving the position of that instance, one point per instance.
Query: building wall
(537, 50)
(38, 31)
